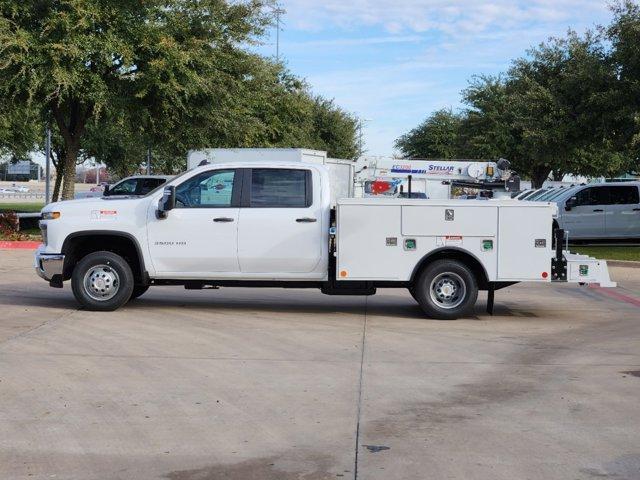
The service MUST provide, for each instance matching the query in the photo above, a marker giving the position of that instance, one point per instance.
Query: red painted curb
(618, 296)
(19, 245)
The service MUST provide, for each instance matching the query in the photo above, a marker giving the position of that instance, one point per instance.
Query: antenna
(277, 10)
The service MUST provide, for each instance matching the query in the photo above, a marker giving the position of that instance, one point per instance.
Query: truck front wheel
(446, 290)
(102, 281)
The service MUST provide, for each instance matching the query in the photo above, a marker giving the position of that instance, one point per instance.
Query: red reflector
(545, 274)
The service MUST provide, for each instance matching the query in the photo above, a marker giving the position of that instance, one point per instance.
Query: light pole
(47, 174)
(361, 123)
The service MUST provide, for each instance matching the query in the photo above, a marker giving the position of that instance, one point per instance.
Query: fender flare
(477, 266)
(113, 233)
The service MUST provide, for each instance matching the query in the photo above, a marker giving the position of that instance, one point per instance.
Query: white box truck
(267, 223)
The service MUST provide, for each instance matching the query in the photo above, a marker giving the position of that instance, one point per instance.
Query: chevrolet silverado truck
(259, 224)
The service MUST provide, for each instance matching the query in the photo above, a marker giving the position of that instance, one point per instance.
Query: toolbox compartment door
(442, 220)
(524, 243)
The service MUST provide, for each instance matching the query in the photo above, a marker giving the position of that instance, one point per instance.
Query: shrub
(9, 226)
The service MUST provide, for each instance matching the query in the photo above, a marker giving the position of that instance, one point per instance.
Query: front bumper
(49, 265)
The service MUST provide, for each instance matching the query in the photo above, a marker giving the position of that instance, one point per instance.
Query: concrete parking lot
(274, 384)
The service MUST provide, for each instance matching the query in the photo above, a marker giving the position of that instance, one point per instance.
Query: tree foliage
(159, 60)
(116, 78)
(439, 136)
(571, 105)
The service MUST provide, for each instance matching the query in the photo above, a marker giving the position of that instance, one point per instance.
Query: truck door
(622, 213)
(199, 236)
(586, 217)
(280, 226)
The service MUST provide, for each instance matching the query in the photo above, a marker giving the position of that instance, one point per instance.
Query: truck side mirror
(571, 202)
(167, 202)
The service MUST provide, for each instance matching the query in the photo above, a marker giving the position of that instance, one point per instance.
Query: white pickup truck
(260, 224)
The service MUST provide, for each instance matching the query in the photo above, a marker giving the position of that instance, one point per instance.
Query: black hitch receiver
(558, 262)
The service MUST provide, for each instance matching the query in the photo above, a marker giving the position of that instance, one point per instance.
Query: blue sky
(393, 62)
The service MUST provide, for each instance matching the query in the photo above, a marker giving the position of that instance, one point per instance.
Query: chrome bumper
(47, 265)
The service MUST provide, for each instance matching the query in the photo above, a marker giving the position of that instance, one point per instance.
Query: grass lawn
(25, 207)
(610, 253)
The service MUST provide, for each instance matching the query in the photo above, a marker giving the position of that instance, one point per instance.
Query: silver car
(598, 211)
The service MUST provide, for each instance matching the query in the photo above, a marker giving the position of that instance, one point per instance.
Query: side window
(127, 187)
(623, 195)
(148, 184)
(592, 196)
(280, 187)
(212, 189)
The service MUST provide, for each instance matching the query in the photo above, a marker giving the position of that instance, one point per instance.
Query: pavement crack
(359, 409)
(37, 327)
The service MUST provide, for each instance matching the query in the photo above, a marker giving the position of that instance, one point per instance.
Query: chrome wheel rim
(101, 282)
(448, 290)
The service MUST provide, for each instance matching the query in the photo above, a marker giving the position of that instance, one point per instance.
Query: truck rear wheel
(446, 290)
(102, 281)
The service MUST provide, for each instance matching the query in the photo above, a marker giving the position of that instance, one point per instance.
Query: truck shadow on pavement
(260, 300)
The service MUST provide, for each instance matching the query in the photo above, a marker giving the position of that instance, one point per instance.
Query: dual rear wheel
(445, 290)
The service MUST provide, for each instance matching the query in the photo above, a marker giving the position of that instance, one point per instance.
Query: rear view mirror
(572, 202)
(167, 202)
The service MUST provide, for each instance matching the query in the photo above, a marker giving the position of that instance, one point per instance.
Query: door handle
(306, 220)
(223, 219)
(636, 209)
(598, 210)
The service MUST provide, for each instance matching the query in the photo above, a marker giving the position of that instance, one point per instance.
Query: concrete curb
(19, 245)
(623, 263)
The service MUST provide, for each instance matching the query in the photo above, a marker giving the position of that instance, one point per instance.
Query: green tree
(624, 35)
(20, 130)
(439, 136)
(158, 60)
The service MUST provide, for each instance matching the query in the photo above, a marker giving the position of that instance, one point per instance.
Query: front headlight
(50, 215)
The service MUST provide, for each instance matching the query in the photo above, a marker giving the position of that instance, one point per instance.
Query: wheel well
(453, 254)
(78, 246)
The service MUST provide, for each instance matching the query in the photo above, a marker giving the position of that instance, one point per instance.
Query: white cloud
(354, 42)
(448, 16)
(345, 48)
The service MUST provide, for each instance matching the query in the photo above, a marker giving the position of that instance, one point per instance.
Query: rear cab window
(280, 188)
(623, 195)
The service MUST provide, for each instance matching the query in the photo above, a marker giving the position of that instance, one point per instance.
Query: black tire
(102, 281)
(412, 291)
(138, 290)
(455, 289)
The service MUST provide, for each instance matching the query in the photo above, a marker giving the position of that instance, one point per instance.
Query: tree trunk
(71, 131)
(58, 183)
(69, 180)
(539, 175)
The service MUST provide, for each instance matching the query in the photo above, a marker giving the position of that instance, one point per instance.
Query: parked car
(136, 185)
(599, 211)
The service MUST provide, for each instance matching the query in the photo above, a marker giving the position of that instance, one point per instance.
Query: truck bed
(510, 239)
